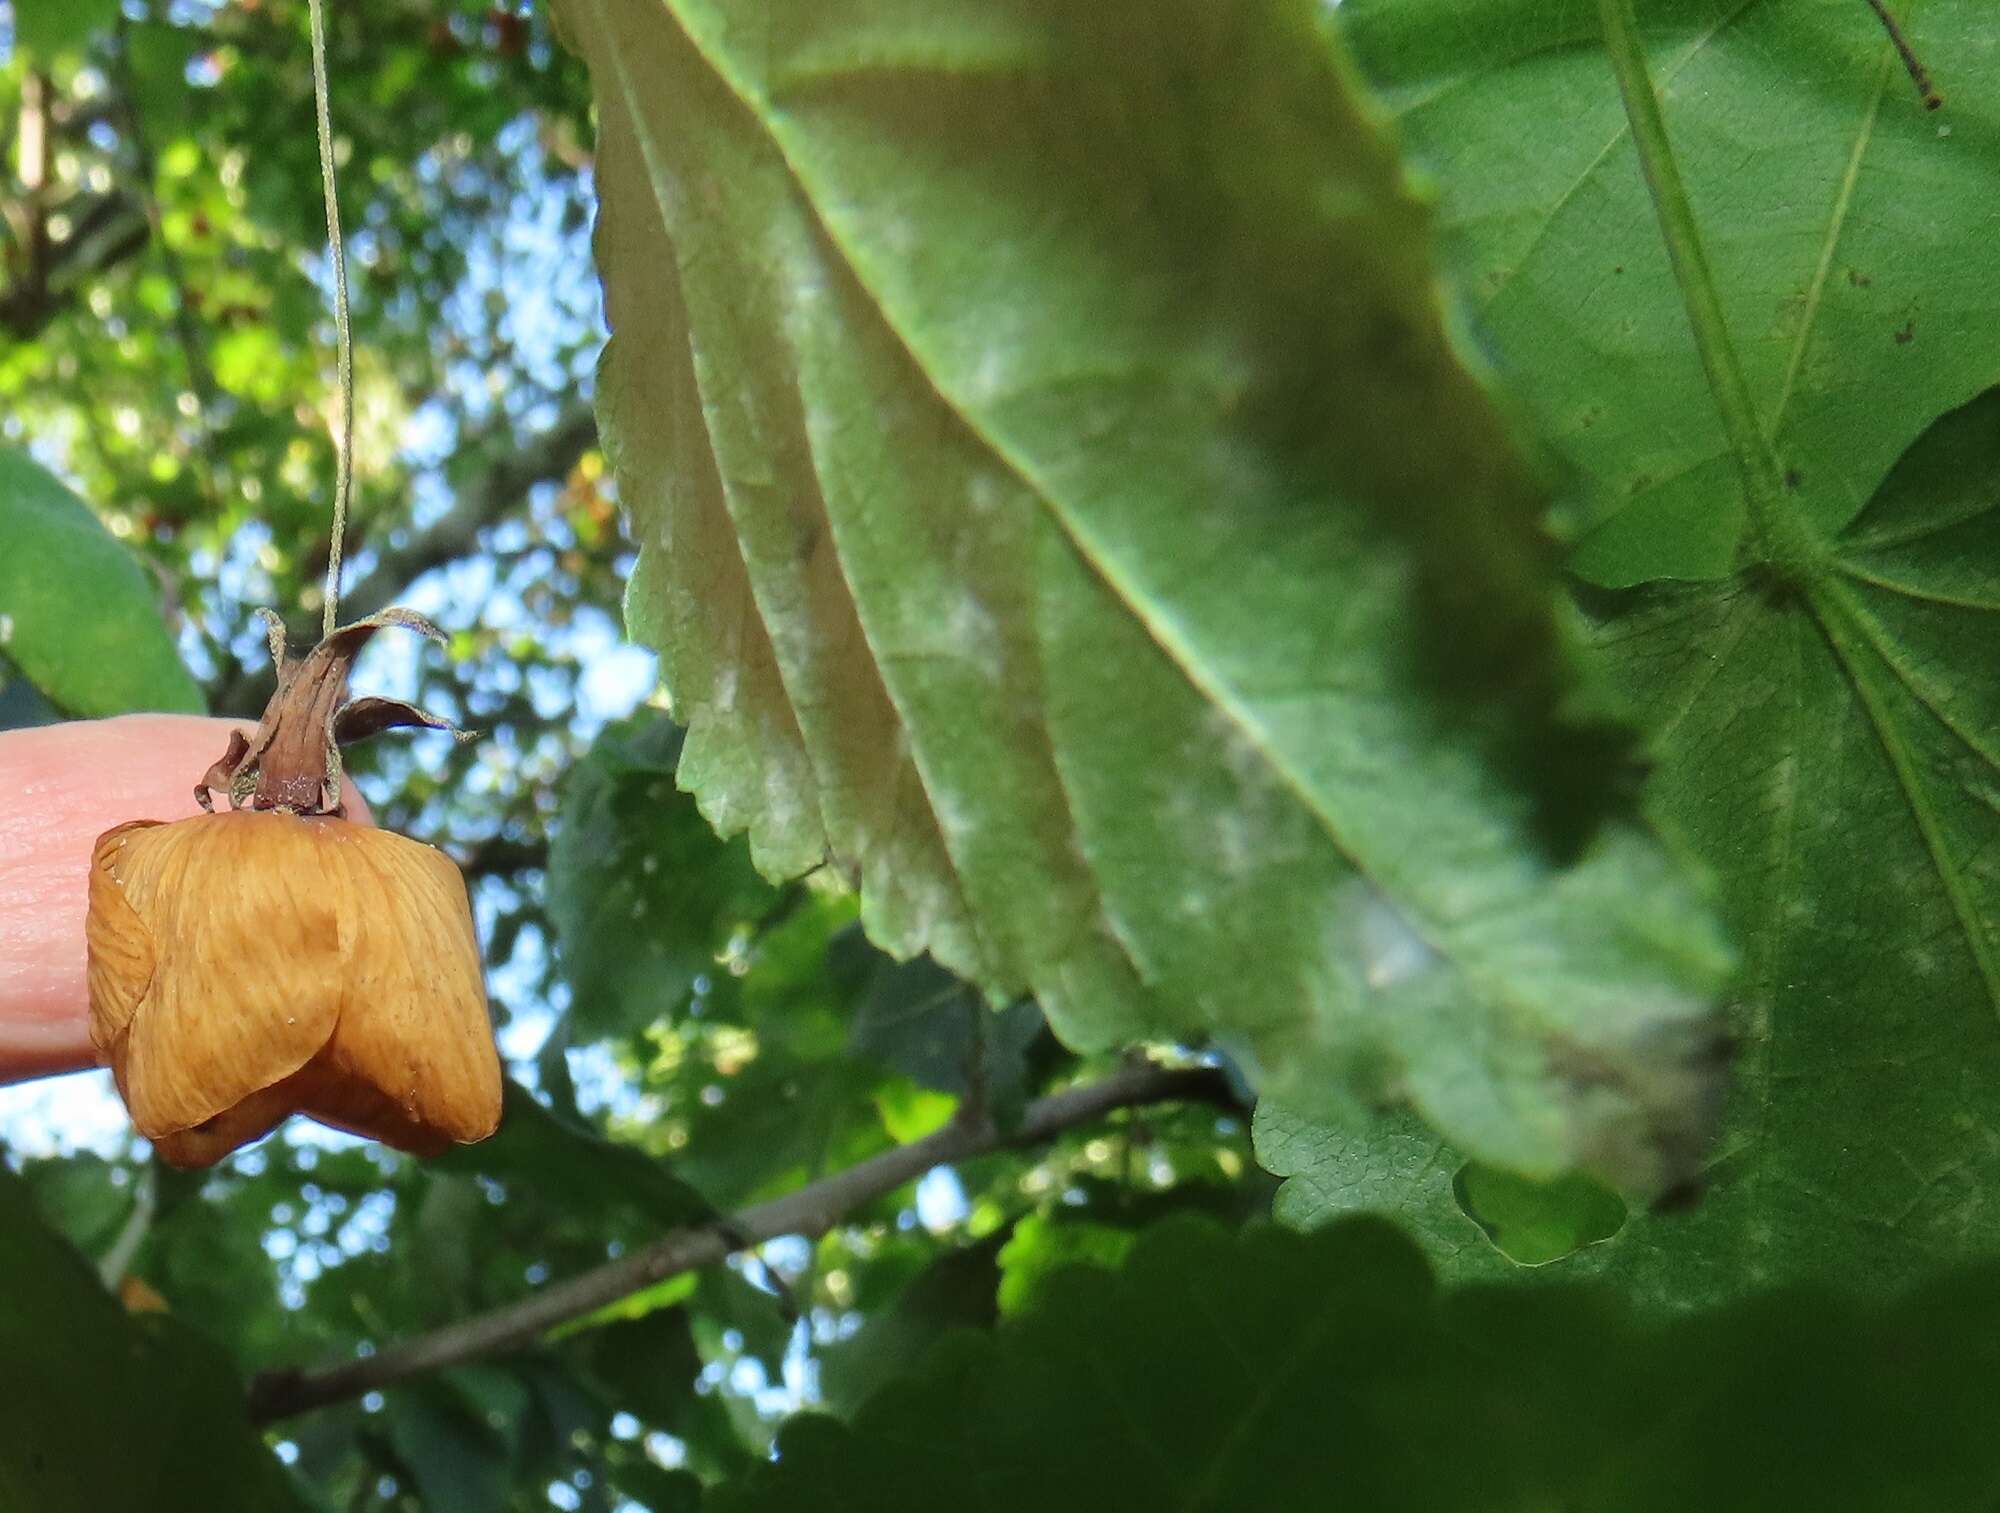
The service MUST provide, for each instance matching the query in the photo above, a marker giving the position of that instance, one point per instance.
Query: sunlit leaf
(48, 27)
(1043, 1246)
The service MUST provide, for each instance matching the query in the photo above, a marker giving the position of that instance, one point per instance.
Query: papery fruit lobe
(247, 966)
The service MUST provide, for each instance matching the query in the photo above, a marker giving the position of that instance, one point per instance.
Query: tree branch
(810, 1211)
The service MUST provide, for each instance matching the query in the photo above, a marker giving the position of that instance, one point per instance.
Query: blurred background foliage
(687, 1038)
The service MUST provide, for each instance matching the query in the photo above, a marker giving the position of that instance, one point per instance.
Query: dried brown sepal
(291, 762)
(368, 717)
(245, 967)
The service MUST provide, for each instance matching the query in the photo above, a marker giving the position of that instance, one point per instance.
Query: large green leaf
(1832, 746)
(78, 614)
(100, 1409)
(921, 1021)
(1015, 405)
(1842, 222)
(1275, 1371)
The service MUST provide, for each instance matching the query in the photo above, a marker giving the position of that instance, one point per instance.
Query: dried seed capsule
(249, 965)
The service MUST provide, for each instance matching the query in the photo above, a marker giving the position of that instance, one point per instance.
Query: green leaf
(21, 703)
(779, 1099)
(1272, 1371)
(83, 1197)
(100, 1409)
(1015, 405)
(659, 1491)
(1473, 1221)
(1391, 1166)
(48, 27)
(1832, 748)
(78, 615)
(158, 55)
(634, 1305)
(1837, 215)
(649, 1364)
(643, 897)
(1537, 1222)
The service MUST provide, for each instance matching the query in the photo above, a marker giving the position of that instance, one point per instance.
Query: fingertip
(61, 787)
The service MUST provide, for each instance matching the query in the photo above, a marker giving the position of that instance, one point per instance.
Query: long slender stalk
(1783, 533)
(343, 447)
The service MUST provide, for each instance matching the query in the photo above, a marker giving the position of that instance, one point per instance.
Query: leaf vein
(1916, 592)
(1832, 608)
(1843, 202)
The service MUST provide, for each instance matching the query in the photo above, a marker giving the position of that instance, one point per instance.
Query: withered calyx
(291, 762)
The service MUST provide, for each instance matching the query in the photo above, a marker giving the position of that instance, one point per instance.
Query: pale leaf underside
(1012, 409)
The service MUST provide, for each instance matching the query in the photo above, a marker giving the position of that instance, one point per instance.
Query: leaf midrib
(1783, 524)
(1889, 652)
(1916, 592)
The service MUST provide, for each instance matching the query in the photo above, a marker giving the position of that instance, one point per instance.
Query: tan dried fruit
(279, 959)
